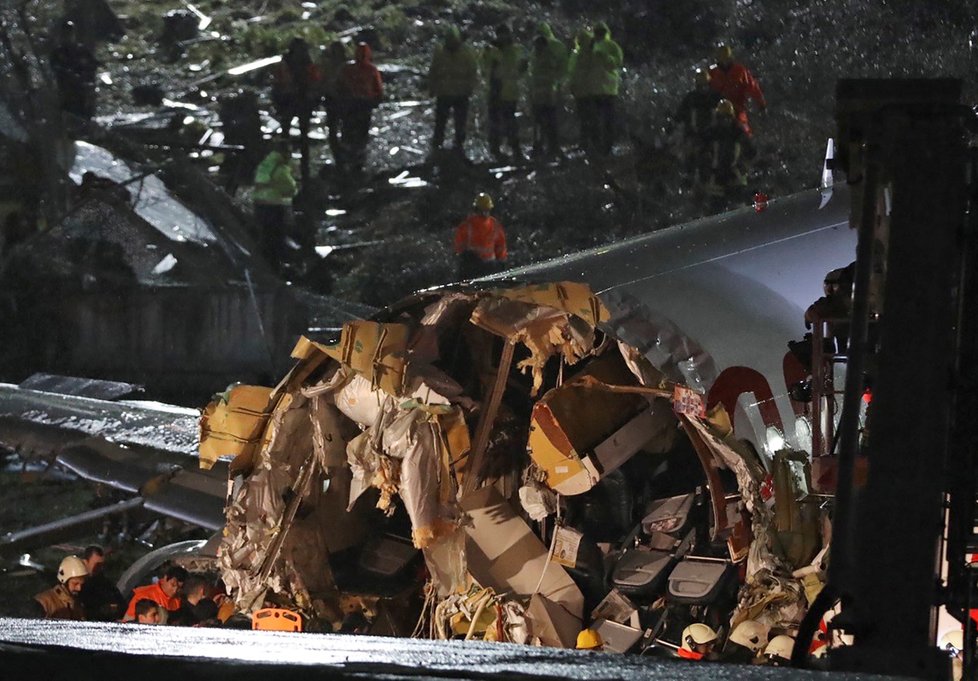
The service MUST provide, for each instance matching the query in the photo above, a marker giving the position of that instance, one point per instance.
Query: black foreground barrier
(77, 651)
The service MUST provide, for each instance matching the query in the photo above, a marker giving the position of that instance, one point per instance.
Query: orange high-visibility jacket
(154, 593)
(737, 84)
(483, 235)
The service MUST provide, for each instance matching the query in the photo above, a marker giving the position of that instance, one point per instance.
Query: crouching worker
(480, 241)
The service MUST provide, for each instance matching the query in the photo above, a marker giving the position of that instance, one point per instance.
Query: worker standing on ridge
(698, 641)
(609, 61)
(330, 66)
(694, 118)
(61, 602)
(548, 69)
(361, 91)
(274, 190)
(731, 153)
(452, 77)
(734, 82)
(165, 592)
(480, 241)
(584, 80)
(504, 64)
(74, 66)
(296, 90)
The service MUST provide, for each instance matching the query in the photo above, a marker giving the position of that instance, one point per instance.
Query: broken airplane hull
(719, 293)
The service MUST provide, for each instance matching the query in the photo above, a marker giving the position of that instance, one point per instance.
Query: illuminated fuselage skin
(721, 292)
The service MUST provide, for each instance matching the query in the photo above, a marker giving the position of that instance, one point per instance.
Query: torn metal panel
(586, 428)
(504, 554)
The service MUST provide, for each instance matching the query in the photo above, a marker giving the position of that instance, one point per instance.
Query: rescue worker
(548, 69)
(745, 642)
(778, 651)
(589, 639)
(698, 641)
(196, 605)
(452, 77)
(164, 592)
(61, 602)
(361, 91)
(330, 66)
(734, 82)
(952, 642)
(694, 117)
(609, 60)
(731, 151)
(296, 90)
(480, 241)
(99, 596)
(583, 81)
(834, 306)
(504, 64)
(274, 190)
(147, 612)
(74, 65)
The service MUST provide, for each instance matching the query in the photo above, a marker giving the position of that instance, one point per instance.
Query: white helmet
(952, 641)
(71, 566)
(750, 634)
(698, 634)
(780, 646)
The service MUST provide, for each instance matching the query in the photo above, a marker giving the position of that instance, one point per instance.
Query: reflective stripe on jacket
(482, 235)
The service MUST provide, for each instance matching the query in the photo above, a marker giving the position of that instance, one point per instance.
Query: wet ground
(389, 232)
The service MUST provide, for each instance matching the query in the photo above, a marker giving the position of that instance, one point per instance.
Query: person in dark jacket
(361, 91)
(296, 90)
(694, 119)
(99, 596)
(74, 66)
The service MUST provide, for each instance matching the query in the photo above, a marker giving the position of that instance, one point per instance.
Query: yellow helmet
(698, 634)
(483, 202)
(725, 108)
(701, 77)
(723, 52)
(71, 566)
(588, 639)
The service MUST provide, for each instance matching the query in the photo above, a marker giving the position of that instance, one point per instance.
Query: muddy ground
(392, 231)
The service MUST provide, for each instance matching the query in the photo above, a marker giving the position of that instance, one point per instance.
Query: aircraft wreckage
(471, 465)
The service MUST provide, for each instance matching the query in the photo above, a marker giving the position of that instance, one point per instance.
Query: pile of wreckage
(495, 465)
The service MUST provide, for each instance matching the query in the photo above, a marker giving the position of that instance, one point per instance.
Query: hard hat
(701, 77)
(725, 108)
(71, 566)
(589, 639)
(483, 202)
(780, 646)
(698, 634)
(750, 634)
(952, 640)
(723, 52)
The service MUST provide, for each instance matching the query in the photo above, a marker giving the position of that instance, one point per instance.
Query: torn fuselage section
(494, 465)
